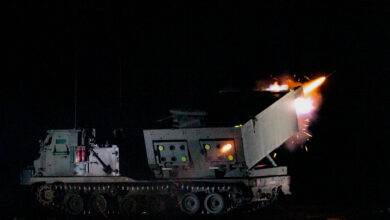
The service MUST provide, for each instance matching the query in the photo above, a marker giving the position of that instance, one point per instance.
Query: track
(136, 199)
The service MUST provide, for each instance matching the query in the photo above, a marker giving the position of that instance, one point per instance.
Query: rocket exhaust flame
(306, 106)
(309, 87)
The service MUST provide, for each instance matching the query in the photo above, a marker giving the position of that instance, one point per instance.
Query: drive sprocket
(45, 194)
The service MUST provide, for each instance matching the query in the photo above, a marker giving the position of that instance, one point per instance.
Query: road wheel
(128, 206)
(98, 204)
(74, 203)
(214, 203)
(189, 203)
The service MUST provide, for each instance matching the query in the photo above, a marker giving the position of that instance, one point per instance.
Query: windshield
(48, 140)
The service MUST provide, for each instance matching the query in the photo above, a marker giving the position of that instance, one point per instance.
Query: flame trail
(309, 87)
(306, 106)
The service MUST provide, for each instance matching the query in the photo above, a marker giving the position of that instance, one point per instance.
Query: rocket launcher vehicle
(205, 170)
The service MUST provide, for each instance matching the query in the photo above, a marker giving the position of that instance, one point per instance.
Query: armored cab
(72, 153)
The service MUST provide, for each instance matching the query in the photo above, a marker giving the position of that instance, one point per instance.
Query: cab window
(60, 141)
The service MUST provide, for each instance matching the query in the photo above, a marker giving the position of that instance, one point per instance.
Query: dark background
(166, 53)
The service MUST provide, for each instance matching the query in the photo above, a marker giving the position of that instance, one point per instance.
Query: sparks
(274, 155)
(308, 134)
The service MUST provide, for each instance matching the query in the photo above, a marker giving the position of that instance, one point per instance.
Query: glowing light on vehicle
(83, 154)
(78, 155)
(226, 147)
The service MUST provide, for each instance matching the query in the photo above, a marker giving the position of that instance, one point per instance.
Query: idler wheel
(98, 204)
(74, 204)
(189, 203)
(214, 203)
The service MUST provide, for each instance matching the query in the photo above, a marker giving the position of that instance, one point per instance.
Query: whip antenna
(75, 99)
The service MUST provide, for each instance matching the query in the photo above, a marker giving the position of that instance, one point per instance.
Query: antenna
(120, 86)
(75, 99)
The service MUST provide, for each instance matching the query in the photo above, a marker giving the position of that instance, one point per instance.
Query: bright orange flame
(307, 88)
(276, 87)
(226, 147)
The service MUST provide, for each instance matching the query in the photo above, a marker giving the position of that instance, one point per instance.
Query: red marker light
(83, 154)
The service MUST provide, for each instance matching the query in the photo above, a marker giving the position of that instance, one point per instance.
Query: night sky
(162, 55)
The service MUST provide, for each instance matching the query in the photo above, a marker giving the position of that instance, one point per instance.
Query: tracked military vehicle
(200, 170)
